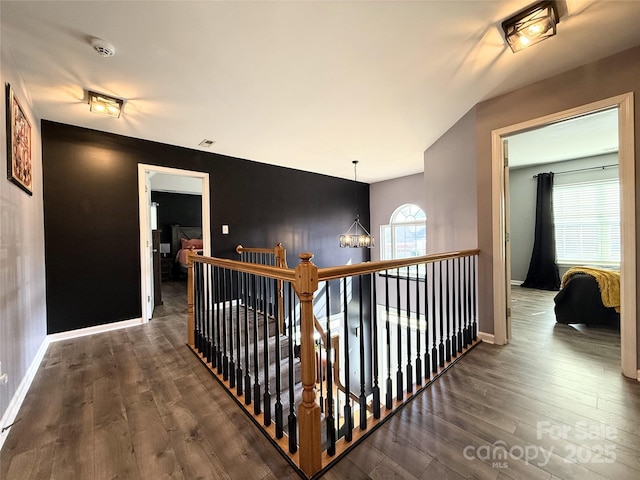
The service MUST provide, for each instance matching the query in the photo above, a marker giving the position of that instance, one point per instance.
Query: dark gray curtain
(543, 269)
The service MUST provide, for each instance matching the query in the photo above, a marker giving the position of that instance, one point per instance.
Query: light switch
(225, 229)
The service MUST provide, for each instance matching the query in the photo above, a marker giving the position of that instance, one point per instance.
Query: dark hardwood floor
(137, 404)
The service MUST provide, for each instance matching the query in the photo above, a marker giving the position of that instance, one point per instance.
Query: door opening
(501, 280)
(146, 242)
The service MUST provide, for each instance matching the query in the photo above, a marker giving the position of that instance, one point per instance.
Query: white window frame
(393, 222)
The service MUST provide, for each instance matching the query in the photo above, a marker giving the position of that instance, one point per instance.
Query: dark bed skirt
(580, 301)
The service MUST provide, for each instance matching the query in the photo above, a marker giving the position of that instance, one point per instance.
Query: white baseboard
(487, 337)
(638, 376)
(517, 282)
(16, 402)
(82, 332)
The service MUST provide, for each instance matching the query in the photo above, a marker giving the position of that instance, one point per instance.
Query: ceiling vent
(103, 48)
(206, 143)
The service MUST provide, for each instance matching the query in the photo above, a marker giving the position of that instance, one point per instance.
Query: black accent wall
(92, 220)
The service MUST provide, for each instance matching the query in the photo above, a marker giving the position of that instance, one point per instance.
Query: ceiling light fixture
(531, 26)
(352, 238)
(100, 103)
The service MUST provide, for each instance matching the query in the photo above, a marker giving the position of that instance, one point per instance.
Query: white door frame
(626, 158)
(145, 225)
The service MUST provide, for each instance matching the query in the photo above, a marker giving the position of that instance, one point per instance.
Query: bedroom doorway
(582, 153)
(145, 173)
(623, 104)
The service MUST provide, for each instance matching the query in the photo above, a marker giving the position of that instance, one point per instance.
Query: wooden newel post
(190, 301)
(309, 409)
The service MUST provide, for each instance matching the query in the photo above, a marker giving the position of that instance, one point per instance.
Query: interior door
(149, 250)
(507, 234)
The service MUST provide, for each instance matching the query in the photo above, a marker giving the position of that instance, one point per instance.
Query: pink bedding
(181, 257)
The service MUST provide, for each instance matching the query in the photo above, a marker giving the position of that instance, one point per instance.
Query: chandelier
(357, 236)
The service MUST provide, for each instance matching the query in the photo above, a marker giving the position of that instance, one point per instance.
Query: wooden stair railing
(403, 340)
(276, 256)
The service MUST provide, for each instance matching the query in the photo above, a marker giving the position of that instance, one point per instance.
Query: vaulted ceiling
(311, 85)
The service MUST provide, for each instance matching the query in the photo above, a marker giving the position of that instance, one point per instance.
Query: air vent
(206, 143)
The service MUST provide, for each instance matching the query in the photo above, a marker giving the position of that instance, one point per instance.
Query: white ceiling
(304, 84)
(580, 137)
(166, 182)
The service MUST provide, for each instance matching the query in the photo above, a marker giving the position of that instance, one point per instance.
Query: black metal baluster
(376, 388)
(454, 312)
(223, 301)
(265, 354)
(399, 380)
(202, 311)
(348, 422)
(467, 307)
(296, 349)
(278, 408)
(319, 373)
(409, 372)
(418, 331)
(231, 366)
(205, 312)
(203, 329)
(427, 356)
(239, 389)
(214, 315)
(219, 320)
(256, 367)
(434, 320)
(460, 302)
(331, 426)
(362, 400)
(442, 307)
(447, 313)
(206, 317)
(197, 327)
(389, 393)
(474, 329)
(292, 421)
(247, 372)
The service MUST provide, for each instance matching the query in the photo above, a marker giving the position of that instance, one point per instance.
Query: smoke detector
(103, 48)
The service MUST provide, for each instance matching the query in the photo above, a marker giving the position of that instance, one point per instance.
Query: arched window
(406, 234)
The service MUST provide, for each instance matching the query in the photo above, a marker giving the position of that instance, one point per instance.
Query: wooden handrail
(279, 273)
(332, 273)
(278, 252)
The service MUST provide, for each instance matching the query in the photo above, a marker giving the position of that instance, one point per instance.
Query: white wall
(522, 202)
(22, 280)
(450, 188)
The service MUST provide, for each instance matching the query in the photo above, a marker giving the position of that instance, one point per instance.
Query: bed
(590, 296)
(183, 240)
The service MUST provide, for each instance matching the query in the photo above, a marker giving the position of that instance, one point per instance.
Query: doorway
(501, 245)
(145, 172)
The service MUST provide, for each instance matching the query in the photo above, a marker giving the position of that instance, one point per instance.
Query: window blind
(587, 222)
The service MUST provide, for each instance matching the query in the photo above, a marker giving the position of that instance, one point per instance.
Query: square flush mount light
(100, 103)
(531, 26)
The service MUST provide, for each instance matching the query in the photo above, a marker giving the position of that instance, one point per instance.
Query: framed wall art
(19, 167)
